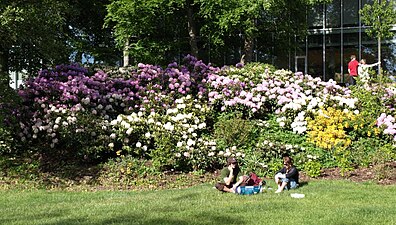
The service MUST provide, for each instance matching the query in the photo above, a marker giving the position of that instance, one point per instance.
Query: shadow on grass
(303, 183)
(186, 196)
(201, 220)
(131, 219)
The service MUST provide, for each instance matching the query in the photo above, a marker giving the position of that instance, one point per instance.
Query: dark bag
(254, 180)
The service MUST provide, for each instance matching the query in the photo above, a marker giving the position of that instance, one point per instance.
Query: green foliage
(344, 159)
(369, 151)
(381, 79)
(84, 139)
(383, 171)
(37, 34)
(385, 153)
(8, 18)
(380, 17)
(126, 169)
(254, 72)
(29, 35)
(312, 168)
(164, 154)
(370, 107)
(274, 143)
(21, 167)
(6, 140)
(153, 29)
(148, 28)
(368, 102)
(233, 130)
(9, 105)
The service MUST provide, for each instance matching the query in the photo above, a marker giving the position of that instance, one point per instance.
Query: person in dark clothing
(287, 177)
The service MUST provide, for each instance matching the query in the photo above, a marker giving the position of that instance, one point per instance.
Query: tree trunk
(379, 45)
(192, 30)
(126, 54)
(379, 55)
(4, 65)
(248, 49)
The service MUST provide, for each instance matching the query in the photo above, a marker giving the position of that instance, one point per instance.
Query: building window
(333, 14)
(315, 17)
(351, 13)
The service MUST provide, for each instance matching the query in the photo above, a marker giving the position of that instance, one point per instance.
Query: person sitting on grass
(229, 175)
(287, 177)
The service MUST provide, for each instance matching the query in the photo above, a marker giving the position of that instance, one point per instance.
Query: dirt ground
(381, 174)
(88, 179)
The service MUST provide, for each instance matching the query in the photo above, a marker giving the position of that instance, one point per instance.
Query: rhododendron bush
(170, 115)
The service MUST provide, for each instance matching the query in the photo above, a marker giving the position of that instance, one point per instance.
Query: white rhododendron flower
(190, 142)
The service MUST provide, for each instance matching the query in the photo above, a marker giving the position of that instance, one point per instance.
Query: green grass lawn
(325, 202)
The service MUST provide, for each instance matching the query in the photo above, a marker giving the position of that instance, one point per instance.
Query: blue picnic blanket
(248, 190)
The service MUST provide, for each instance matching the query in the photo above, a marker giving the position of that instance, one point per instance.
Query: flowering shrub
(389, 99)
(175, 138)
(328, 128)
(193, 116)
(388, 124)
(71, 109)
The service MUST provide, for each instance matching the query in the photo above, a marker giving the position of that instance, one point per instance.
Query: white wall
(16, 78)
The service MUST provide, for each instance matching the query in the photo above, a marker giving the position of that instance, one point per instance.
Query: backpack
(254, 180)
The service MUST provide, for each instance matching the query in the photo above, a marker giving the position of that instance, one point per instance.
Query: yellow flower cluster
(326, 130)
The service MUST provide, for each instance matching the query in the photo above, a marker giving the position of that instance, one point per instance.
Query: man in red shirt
(352, 69)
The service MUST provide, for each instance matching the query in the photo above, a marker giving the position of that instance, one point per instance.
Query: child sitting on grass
(287, 177)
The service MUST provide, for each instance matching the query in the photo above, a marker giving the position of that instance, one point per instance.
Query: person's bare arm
(228, 179)
(372, 65)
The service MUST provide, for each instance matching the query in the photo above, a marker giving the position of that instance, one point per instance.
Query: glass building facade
(336, 32)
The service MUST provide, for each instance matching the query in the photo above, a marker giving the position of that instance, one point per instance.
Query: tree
(86, 33)
(280, 21)
(157, 31)
(37, 34)
(31, 34)
(153, 29)
(380, 16)
(237, 18)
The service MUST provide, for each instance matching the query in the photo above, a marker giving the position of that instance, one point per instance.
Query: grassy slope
(326, 202)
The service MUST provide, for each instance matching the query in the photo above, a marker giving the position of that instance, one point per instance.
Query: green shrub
(368, 151)
(343, 158)
(6, 141)
(9, 106)
(20, 167)
(125, 170)
(233, 130)
(370, 107)
(312, 168)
